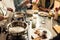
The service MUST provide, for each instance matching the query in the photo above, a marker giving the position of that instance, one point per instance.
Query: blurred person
(21, 4)
(2, 7)
(9, 4)
(57, 11)
(46, 5)
(5, 13)
(5, 9)
(29, 5)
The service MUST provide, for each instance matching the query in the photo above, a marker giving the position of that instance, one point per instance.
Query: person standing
(6, 10)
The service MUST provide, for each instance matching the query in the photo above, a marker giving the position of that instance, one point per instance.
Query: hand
(29, 5)
(47, 10)
(10, 9)
(44, 9)
(1, 17)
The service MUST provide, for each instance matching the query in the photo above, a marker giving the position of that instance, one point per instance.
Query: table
(57, 29)
(47, 25)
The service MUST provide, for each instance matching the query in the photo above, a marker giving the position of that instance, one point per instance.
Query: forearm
(44, 9)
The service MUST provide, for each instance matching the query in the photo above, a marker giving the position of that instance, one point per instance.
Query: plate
(43, 13)
(48, 34)
(31, 11)
(16, 29)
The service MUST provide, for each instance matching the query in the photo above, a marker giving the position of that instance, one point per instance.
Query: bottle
(56, 13)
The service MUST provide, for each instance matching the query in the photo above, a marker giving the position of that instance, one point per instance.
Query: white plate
(16, 29)
(43, 13)
(49, 34)
(31, 11)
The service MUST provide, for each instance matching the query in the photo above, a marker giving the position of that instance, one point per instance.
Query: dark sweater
(47, 4)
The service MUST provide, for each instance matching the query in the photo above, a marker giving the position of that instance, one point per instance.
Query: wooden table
(57, 29)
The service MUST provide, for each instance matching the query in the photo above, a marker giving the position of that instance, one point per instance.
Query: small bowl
(19, 15)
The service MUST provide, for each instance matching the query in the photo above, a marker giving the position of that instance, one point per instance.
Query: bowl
(17, 27)
(19, 14)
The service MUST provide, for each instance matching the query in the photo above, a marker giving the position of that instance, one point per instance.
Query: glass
(34, 21)
(56, 9)
(43, 20)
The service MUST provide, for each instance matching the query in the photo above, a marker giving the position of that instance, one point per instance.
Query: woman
(46, 5)
(5, 13)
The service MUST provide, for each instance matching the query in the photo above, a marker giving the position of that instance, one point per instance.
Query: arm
(44, 9)
(9, 11)
(1, 17)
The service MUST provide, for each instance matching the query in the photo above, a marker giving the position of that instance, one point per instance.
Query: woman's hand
(10, 9)
(44, 9)
(1, 17)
